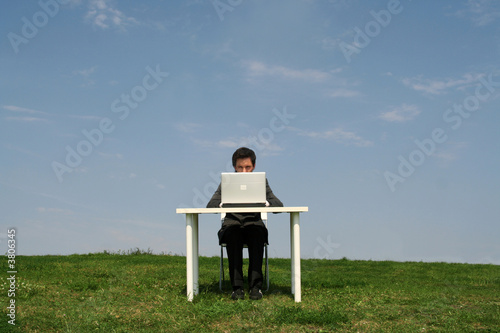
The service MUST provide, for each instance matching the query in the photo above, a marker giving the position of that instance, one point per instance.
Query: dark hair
(244, 152)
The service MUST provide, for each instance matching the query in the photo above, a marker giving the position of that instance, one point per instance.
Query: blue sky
(381, 117)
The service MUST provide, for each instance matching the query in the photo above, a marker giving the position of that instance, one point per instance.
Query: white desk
(192, 241)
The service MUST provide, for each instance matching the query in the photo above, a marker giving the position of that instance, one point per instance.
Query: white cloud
(437, 87)
(102, 15)
(34, 115)
(223, 143)
(264, 147)
(270, 149)
(55, 211)
(338, 135)
(23, 150)
(27, 119)
(329, 43)
(114, 156)
(257, 68)
(480, 12)
(21, 109)
(449, 153)
(85, 74)
(401, 113)
(227, 143)
(188, 127)
(91, 118)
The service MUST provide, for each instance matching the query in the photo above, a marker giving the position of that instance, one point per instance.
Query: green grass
(141, 292)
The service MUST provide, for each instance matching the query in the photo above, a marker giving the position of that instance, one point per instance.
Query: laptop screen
(243, 189)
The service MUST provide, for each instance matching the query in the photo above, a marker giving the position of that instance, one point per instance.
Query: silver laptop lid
(243, 188)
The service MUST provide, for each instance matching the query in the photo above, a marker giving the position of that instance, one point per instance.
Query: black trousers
(254, 237)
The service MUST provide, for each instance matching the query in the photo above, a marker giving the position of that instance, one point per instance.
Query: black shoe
(238, 294)
(255, 293)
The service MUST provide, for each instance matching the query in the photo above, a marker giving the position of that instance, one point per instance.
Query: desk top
(242, 210)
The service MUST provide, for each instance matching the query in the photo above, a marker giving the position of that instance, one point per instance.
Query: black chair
(266, 271)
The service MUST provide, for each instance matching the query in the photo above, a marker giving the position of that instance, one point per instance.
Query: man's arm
(216, 199)
(271, 198)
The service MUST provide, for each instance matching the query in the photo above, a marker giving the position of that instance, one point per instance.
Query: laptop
(243, 189)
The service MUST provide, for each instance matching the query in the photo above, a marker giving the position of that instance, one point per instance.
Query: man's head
(244, 160)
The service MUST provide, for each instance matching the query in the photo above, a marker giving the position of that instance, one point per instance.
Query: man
(244, 228)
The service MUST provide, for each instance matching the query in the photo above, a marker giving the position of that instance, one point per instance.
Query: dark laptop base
(244, 205)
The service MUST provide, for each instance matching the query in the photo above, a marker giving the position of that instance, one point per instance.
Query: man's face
(244, 165)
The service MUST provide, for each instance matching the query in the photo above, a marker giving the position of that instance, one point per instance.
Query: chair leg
(221, 273)
(267, 267)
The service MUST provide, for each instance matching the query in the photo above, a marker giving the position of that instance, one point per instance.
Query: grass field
(141, 292)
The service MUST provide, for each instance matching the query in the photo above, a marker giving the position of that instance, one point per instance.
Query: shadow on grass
(213, 288)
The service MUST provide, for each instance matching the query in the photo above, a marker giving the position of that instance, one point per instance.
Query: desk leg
(191, 255)
(295, 255)
(196, 254)
(292, 256)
